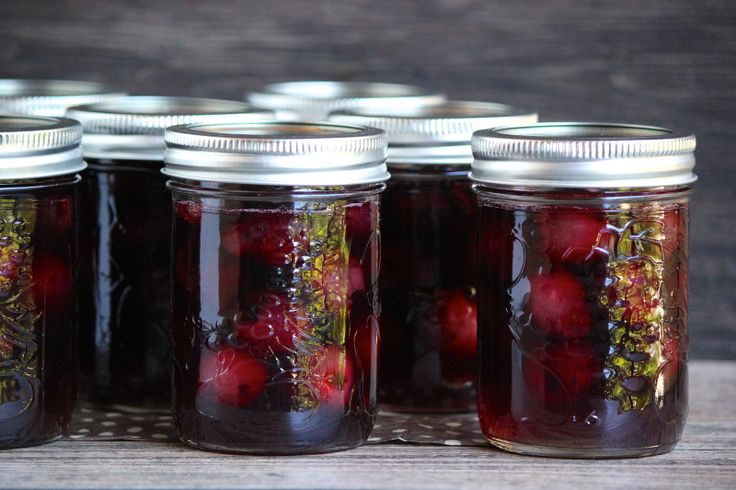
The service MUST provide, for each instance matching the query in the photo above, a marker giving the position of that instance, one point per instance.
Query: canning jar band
(326, 168)
(326, 96)
(147, 147)
(50, 164)
(455, 154)
(661, 171)
(428, 172)
(50, 97)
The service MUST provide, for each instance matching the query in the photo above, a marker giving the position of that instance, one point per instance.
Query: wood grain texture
(662, 62)
(706, 458)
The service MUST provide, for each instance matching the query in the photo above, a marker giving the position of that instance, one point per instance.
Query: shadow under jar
(126, 217)
(39, 161)
(583, 288)
(275, 301)
(314, 100)
(428, 357)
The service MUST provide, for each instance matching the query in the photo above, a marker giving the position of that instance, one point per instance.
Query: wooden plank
(705, 458)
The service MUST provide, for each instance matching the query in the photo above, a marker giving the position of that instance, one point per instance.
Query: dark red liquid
(428, 322)
(583, 326)
(37, 312)
(275, 323)
(125, 245)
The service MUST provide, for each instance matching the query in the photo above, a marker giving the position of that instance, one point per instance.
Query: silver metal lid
(35, 147)
(277, 153)
(583, 155)
(314, 100)
(132, 128)
(438, 134)
(49, 97)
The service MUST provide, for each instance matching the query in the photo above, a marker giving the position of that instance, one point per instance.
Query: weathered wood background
(663, 62)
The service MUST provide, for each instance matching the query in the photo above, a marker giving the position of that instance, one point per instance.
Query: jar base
(263, 451)
(391, 408)
(579, 452)
(4, 444)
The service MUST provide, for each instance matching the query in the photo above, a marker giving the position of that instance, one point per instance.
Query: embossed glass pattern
(583, 321)
(37, 309)
(275, 316)
(126, 288)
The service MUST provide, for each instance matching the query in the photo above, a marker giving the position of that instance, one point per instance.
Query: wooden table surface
(706, 458)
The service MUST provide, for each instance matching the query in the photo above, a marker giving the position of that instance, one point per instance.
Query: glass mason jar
(49, 97)
(275, 301)
(126, 289)
(314, 100)
(428, 357)
(583, 287)
(39, 161)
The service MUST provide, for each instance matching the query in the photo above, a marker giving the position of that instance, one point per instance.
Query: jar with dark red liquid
(428, 233)
(126, 217)
(275, 301)
(583, 288)
(39, 161)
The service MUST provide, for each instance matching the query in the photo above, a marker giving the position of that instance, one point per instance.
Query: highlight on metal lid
(436, 134)
(277, 153)
(38, 147)
(49, 97)
(583, 155)
(316, 99)
(132, 128)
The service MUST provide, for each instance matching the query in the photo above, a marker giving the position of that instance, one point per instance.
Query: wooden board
(706, 458)
(663, 62)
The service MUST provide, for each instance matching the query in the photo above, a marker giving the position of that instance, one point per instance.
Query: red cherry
(189, 211)
(332, 377)
(52, 280)
(274, 324)
(359, 219)
(561, 372)
(266, 236)
(457, 314)
(569, 235)
(558, 307)
(60, 215)
(356, 278)
(232, 376)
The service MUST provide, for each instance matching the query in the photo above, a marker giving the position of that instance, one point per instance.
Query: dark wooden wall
(663, 62)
